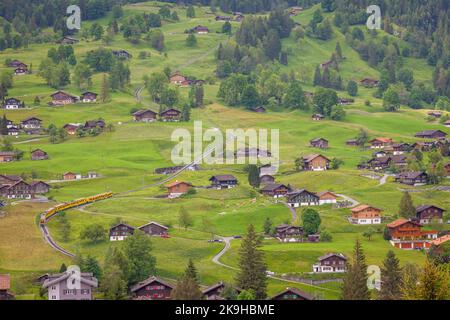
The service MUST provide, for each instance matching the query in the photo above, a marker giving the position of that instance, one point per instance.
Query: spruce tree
(339, 51)
(391, 278)
(317, 77)
(252, 268)
(433, 282)
(187, 287)
(104, 94)
(354, 286)
(253, 176)
(406, 209)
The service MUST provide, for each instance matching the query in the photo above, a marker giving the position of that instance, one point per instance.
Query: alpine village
(361, 178)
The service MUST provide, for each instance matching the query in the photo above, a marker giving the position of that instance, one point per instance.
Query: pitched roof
(363, 207)
(272, 186)
(400, 222)
(410, 174)
(140, 112)
(326, 256)
(62, 92)
(5, 282)
(429, 132)
(153, 222)
(326, 192)
(170, 110)
(299, 191)
(318, 139)
(223, 177)
(121, 224)
(213, 287)
(176, 182)
(425, 207)
(296, 291)
(311, 157)
(148, 281)
(86, 278)
(31, 118)
(382, 139)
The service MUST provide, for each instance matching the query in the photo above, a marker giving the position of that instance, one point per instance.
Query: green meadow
(127, 157)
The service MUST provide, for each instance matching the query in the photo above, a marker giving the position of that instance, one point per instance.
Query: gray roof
(272, 186)
(326, 256)
(223, 177)
(149, 281)
(86, 278)
(426, 206)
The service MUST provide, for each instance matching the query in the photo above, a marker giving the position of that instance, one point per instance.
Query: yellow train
(69, 205)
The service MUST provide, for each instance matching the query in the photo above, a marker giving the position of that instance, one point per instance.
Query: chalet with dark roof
(71, 128)
(223, 181)
(39, 187)
(20, 71)
(122, 54)
(412, 178)
(17, 64)
(17, 190)
(200, 30)
(369, 83)
(275, 190)
(427, 213)
(317, 117)
(60, 98)
(400, 148)
(94, 124)
(352, 142)
(12, 104)
(120, 232)
(266, 179)
(68, 40)
(431, 134)
(292, 294)
(302, 197)
(146, 115)
(315, 162)
(259, 109)
(223, 18)
(88, 97)
(154, 229)
(288, 233)
(331, 263)
(319, 143)
(152, 288)
(39, 154)
(214, 292)
(31, 123)
(345, 101)
(170, 115)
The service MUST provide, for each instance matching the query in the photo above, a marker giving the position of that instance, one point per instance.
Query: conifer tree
(391, 278)
(433, 282)
(338, 50)
(252, 268)
(187, 287)
(406, 209)
(253, 176)
(317, 77)
(354, 286)
(104, 93)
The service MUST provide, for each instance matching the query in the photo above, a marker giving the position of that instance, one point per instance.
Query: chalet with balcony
(18, 190)
(199, 30)
(145, 115)
(170, 115)
(39, 154)
(17, 64)
(331, 263)
(39, 187)
(177, 188)
(292, 294)
(327, 197)
(88, 97)
(302, 197)
(154, 229)
(412, 178)
(7, 156)
(5, 287)
(120, 232)
(20, 71)
(408, 235)
(379, 163)
(380, 142)
(13, 131)
(319, 143)
(315, 162)
(275, 190)
(60, 98)
(400, 148)
(288, 233)
(31, 123)
(71, 128)
(365, 214)
(223, 181)
(152, 288)
(59, 286)
(431, 134)
(13, 104)
(427, 213)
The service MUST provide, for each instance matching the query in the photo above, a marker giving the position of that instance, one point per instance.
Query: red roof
(400, 222)
(175, 183)
(363, 207)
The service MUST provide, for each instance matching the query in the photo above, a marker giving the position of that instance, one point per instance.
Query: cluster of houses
(61, 98)
(121, 231)
(20, 68)
(72, 128)
(30, 125)
(14, 187)
(237, 16)
(148, 115)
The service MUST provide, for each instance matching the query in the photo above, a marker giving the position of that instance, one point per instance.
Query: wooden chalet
(331, 263)
(292, 294)
(302, 197)
(293, 11)
(267, 178)
(31, 123)
(275, 190)
(223, 181)
(12, 104)
(145, 115)
(18, 190)
(9, 179)
(288, 233)
(400, 148)
(431, 134)
(71, 128)
(424, 146)
(120, 232)
(7, 156)
(122, 54)
(408, 235)
(317, 117)
(412, 178)
(170, 115)
(352, 142)
(154, 229)
(39, 187)
(199, 30)
(214, 292)
(88, 97)
(365, 214)
(223, 18)
(17, 64)
(60, 98)
(178, 79)
(152, 288)
(427, 213)
(39, 154)
(315, 162)
(20, 71)
(319, 143)
(345, 101)
(70, 176)
(326, 197)
(259, 109)
(13, 131)
(177, 188)
(380, 142)
(59, 287)
(369, 83)
(5, 287)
